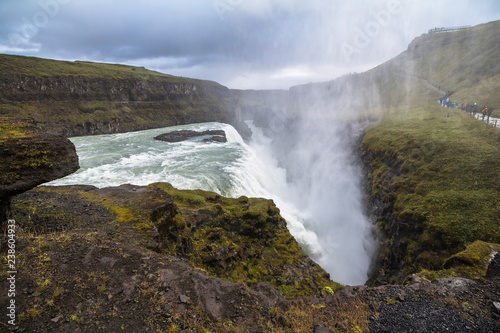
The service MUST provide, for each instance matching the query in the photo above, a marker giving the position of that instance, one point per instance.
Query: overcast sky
(247, 44)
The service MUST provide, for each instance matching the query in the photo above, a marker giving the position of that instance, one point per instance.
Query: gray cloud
(240, 43)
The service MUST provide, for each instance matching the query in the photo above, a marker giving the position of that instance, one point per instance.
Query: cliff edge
(29, 157)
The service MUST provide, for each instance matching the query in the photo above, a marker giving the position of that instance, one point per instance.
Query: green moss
(179, 222)
(13, 128)
(22, 149)
(124, 214)
(143, 227)
(239, 240)
(391, 301)
(439, 274)
(473, 262)
(287, 291)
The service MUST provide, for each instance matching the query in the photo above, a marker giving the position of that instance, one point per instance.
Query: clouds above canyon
(239, 43)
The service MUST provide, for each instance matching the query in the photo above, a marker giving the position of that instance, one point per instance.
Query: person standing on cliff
(490, 110)
(484, 111)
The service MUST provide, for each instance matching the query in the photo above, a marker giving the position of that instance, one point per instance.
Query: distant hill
(83, 98)
(464, 61)
(435, 170)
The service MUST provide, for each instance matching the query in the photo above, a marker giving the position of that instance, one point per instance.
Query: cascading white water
(323, 214)
(257, 174)
(325, 184)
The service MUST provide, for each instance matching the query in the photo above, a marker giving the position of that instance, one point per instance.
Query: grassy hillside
(436, 170)
(36, 67)
(478, 47)
(465, 62)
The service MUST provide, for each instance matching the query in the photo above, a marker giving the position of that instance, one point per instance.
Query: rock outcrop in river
(182, 135)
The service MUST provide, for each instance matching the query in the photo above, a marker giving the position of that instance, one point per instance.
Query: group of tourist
(447, 102)
(470, 108)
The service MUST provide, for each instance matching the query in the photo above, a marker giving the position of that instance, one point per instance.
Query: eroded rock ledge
(29, 158)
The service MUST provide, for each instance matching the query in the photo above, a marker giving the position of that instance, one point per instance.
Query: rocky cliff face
(431, 221)
(29, 158)
(78, 98)
(389, 265)
(25, 88)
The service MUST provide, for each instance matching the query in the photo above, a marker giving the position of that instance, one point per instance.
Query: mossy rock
(474, 260)
(244, 240)
(29, 157)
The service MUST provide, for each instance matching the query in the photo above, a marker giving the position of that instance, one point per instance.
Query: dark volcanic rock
(444, 305)
(216, 138)
(494, 267)
(425, 316)
(72, 211)
(182, 135)
(30, 158)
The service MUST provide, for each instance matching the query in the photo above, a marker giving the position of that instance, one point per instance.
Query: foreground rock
(494, 267)
(182, 135)
(146, 259)
(30, 158)
(241, 240)
(115, 247)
